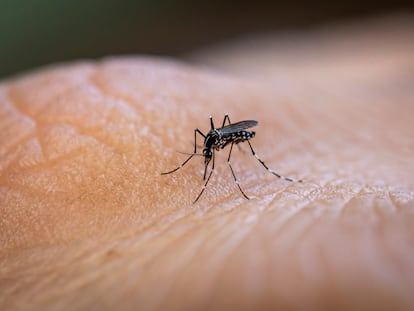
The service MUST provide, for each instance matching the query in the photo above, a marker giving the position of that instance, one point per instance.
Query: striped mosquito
(217, 139)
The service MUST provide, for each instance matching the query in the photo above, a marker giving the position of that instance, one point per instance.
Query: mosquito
(219, 138)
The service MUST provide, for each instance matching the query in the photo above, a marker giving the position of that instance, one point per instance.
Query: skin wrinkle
(90, 133)
(37, 125)
(170, 291)
(234, 241)
(9, 150)
(160, 256)
(124, 237)
(224, 226)
(104, 89)
(16, 142)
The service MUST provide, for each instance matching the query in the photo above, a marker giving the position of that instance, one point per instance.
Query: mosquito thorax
(212, 139)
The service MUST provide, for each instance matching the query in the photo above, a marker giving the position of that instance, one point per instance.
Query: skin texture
(88, 222)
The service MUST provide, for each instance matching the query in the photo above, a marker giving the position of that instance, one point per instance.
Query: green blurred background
(34, 33)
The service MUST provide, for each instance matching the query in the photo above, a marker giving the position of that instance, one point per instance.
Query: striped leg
(205, 184)
(189, 158)
(268, 169)
(234, 176)
(226, 117)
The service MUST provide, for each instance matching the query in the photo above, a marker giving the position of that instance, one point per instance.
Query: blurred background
(34, 33)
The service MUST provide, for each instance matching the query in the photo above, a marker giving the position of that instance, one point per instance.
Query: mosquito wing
(237, 127)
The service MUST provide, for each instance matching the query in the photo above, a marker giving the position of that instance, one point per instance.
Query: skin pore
(87, 219)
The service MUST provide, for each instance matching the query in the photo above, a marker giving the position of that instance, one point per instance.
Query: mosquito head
(207, 155)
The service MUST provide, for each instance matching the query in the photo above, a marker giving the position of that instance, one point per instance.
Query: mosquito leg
(189, 158)
(205, 172)
(234, 176)
(226, 117)
(195, 138)
(268, 169)
(205, 184)
(212, 123)
(198, 145)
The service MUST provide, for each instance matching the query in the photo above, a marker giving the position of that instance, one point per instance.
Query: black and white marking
(217, 139)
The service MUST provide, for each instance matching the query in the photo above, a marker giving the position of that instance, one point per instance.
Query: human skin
(87, 221)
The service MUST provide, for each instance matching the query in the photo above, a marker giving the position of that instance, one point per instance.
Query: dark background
(33, 33)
